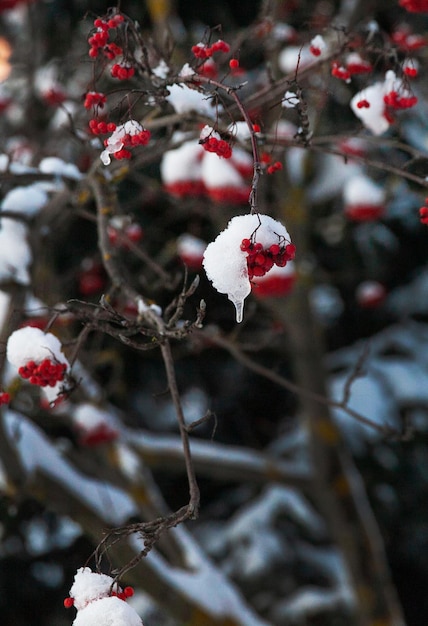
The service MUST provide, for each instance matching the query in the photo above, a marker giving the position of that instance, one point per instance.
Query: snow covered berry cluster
(250, 246)
(38, 358)
(261, 260)
(100, 601)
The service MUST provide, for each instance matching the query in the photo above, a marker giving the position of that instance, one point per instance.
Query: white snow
(361, 190)
(37, 455)
(184, 100)
(110, 611)
(96, 606)
(202, 580)
(182, 164)
(115, 141)
(89, 586)
(220, 173)
(88, 417)
(32, 344)
(293, 58)
(226, 264)
(55, 165)
(26, 200)
(15, 252)
(373, 117)
(290, 100)
(190, 247)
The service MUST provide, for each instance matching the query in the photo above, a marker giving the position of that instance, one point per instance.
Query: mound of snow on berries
(91, 596)
(225, 263)
(38, 355)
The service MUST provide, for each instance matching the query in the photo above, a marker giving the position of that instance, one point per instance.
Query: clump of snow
(293, 58)
(219, 173)
(290, 100)
(27, 200)
(361, 189)
(109, 611)
(116, 140)
(89, 586)
(191, 250)
(373, 116)
(32, 344)
(186, 71)
(15, 252)
(55, 165)
(161, 70)
(226, 264)
(318, 46)
(182, 164)
(184, 100)
(94, 424)
(91, 593)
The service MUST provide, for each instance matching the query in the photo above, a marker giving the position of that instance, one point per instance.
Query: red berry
(233, 64)
(68, 602)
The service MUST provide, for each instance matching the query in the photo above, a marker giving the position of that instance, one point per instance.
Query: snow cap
(226, 264)
(32, 344)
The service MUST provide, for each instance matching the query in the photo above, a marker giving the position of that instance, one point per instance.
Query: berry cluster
(219, 146)
(395, 101)
(44, 374)
(128, 592)
(4, 398)
(94, 99)
(139, 139)
(423, 213)
(407, 41)
(260, 260)
(101, 128)
(274, 167)
(122, 71)
(339, 71)
(202, 51)
(120, 236)
(410, 70)
(363, 104)
(414, 6)
(99, 41)
(354, 65)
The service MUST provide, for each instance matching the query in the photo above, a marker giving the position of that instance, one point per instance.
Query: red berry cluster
(44, 374)
(275, 167)
(101, 128)
(219, 146)
(363, 104)
(395, 101)
(423, 213)
(139, 139)
(121, 237)
(314, 50)
(414, 6)
(352, 67)
(407, 41)
(128, 592)
(100, 39)
(260, 261)
(202, 51)
(94, 99)
(339, 71)
(122, 72)
(4, 398)
(410, 72)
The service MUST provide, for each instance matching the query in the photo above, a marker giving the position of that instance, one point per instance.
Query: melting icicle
(239, 306)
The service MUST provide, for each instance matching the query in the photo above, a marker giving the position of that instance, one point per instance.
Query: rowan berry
(233, 64)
